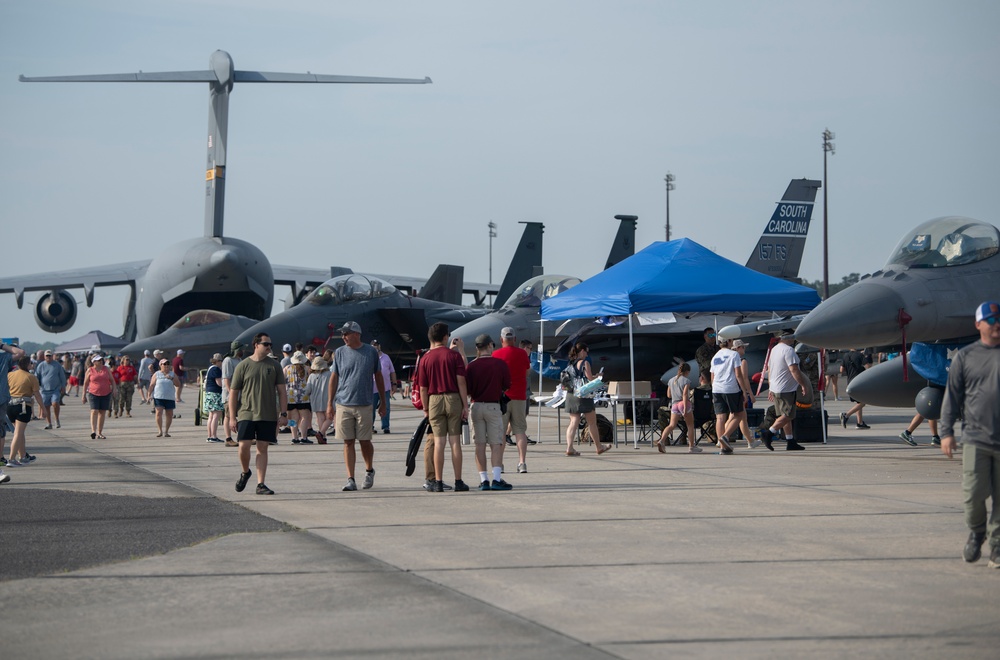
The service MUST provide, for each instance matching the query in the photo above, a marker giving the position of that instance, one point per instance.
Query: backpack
(572, 378)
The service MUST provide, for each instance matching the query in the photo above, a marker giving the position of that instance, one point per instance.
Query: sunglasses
(265, 343)
(991, 320)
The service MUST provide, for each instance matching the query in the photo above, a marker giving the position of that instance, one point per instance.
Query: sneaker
(767, 435)
(726, 451)
(13, 463)
(231, 443)
(429, 485)
(264, 490)
(3, 461)
(461, 486)
(386, 431)
(47, 427)
(241, 483)
(369, 479)
(500, 485)
(754, 444)
(510, 441)
(522, 468)
(351, 485)
(843, 420)
(28, 457)
(295, 441)
(724, 445)
(213, 440)
(532, 442)
(936, 440)
(794, 446)
(994, 554)
(4, 478)
(974, 547)
(694, 450)
(438, 487)
(907, 437)
(305, 441)
(58, 425)
(484, 485)
(862, 425)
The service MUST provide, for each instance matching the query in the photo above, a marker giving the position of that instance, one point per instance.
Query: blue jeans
(981, 481)
(385, 420)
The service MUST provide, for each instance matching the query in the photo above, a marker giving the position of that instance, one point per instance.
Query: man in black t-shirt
(853, 364)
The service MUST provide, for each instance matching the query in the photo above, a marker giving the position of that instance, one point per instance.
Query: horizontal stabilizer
(166, 76)
(270, 77)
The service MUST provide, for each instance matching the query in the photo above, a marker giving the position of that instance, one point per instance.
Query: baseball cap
(48, 352)
(96, 357)
(147, 352)
(180, 351)
(483, 340)
(217, 357)
(987, 310)
(287, 348)
(164, 361)
(236, 345)
(508, 333)
(350, 326)
(738, 342)
(787, 332)
(157, 352)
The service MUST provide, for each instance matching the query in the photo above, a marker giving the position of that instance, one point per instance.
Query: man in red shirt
(180, 371)
(487, 379)
(441, 374)
(517, 410)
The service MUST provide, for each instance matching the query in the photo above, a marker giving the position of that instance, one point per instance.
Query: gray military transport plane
(212, 272)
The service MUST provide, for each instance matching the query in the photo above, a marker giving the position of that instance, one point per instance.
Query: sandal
(101, 436)
(573, 453)
(603, 449)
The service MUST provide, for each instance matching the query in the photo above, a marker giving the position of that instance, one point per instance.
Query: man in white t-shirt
(730, 388)
(784, 377)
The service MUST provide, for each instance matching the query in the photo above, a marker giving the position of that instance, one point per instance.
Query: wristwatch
(284, 414)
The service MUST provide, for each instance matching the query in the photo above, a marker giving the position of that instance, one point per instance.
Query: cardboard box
(623, 389)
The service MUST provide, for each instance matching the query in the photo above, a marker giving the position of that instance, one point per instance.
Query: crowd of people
(254, 396)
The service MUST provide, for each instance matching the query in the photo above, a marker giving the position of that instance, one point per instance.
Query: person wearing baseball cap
(52, 380)
(354, 366)
(486, 379)
(178, 368)
(229, 363)
(784, 377)
(516, 415)
(972, 394)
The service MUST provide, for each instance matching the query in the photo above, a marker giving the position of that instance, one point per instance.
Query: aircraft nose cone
(860, 316)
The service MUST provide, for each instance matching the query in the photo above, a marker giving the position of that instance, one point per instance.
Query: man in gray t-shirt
(354, 365)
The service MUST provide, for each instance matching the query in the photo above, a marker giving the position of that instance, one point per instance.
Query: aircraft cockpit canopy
(540, 288)
(350, 288)
(201, 317)
(948, 241)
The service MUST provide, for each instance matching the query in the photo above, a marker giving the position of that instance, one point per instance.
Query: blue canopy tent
(677, 276)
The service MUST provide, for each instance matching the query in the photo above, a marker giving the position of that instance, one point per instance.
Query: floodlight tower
(828, 148)
(493, 234)
(669, 180)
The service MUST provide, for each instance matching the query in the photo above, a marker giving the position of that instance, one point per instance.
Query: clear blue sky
(565, 112)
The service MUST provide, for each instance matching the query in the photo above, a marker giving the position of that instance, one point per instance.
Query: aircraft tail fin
(779, 251)
(445, 285)
(624, 245)
(526, 263)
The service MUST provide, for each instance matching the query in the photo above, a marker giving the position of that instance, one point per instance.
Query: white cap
(180, 351)
(287, 348)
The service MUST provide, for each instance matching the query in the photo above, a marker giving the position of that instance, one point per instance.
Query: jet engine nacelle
(55, 311)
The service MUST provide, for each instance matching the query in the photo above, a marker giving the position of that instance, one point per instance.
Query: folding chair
(704, 417)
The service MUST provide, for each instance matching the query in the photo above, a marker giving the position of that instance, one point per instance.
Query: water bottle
(466, 440)
(292, 423)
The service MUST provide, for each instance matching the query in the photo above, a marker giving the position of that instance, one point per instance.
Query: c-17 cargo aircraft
(214, 271)
(778, 253)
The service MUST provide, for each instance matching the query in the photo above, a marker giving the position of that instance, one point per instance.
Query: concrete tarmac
(139, 547)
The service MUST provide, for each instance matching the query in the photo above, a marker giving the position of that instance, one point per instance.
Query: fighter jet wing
(85, 278)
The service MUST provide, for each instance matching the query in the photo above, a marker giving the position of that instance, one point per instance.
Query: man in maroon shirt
(441, 374)
(178, 367)
(487, 378)
(517, 410)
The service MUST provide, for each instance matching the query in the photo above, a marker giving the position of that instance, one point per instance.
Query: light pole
(669, 180)
(493, 234)
(828, 135)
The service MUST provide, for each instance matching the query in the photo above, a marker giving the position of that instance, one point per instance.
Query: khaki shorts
(784, 404)
(354, 422)
(445, 414)
(486, 423)
(517, 417)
